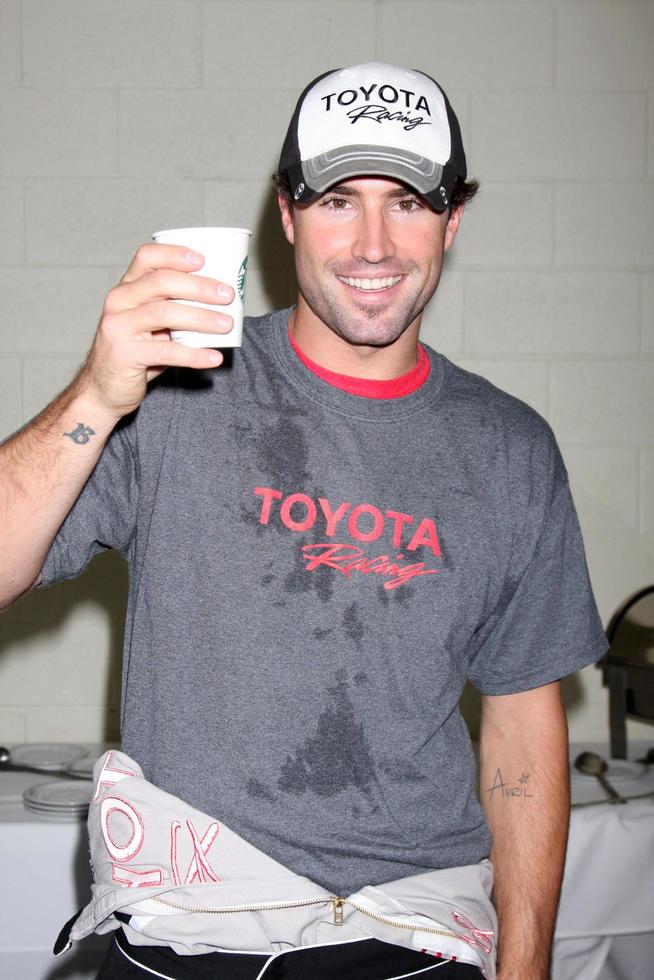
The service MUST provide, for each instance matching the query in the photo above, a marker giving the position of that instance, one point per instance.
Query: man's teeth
(371, 283)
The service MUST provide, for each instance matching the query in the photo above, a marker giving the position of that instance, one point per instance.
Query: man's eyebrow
(344, 190)
(402, 192)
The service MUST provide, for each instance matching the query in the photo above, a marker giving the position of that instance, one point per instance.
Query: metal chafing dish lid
(631, 631)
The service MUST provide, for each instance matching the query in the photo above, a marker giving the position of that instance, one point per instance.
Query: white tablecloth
(605, 927)
(46, 878)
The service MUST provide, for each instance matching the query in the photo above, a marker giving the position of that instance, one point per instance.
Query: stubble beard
(370, 326)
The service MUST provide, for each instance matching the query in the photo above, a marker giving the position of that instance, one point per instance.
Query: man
(325, 541)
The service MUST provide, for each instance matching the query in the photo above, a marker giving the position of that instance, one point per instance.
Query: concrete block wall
(120, 118)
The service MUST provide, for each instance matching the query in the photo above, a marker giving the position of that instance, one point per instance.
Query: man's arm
(42, 471)
(45, 466)
(525, 791)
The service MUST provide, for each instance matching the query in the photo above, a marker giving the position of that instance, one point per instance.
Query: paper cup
(225, 253)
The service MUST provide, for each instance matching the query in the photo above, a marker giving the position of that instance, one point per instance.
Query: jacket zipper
(260, 907)
(336, 901)
(399, 925)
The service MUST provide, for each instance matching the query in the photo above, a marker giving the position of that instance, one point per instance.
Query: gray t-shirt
(313, 577)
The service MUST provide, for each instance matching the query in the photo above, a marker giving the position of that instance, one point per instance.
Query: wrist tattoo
(81, 434)
(508, 788)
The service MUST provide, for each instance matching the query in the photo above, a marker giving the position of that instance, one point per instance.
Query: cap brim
(320, 173)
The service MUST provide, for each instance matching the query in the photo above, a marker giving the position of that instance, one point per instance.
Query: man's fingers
(168, 353)
(165, 315)
(132, 344)
(164, 284)
(156, 256)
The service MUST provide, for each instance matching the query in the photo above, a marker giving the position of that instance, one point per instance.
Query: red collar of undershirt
(368, 388)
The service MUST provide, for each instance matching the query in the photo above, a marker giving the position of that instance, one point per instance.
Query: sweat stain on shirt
(298, 580)
(260, 791)
(284, 452)
(353, 624)
(337, 756)
(323, 634)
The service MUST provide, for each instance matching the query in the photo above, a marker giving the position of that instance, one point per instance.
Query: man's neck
(329, 350)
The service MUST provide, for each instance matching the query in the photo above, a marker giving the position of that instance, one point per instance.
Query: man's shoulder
(480, 401)
(256, 326)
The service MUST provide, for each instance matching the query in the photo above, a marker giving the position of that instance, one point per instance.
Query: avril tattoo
(509, 789)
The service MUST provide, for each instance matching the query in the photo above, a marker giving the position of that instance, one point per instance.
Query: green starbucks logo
(240, 280)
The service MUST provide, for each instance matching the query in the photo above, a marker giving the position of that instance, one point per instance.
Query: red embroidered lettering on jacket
(125, 839)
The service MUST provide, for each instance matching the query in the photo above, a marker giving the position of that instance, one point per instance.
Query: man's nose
(373, 241)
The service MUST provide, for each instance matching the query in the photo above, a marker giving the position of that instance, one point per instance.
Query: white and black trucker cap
(374, 120)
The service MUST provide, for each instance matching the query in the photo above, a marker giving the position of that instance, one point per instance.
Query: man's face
(368, 257)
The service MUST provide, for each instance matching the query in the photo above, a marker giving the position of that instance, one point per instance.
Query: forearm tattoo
(510, 788)
(81, 434)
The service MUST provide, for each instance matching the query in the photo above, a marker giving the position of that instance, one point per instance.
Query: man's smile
(370, 285)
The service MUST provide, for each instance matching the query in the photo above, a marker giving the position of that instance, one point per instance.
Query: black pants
(367, 959)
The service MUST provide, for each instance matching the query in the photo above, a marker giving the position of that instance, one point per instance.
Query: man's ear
(453, 222)
(286, 210)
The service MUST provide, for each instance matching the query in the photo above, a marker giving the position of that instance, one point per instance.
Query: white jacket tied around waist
(189, 882)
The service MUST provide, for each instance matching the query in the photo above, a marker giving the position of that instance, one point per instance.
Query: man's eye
(336, 203)
(409, 204)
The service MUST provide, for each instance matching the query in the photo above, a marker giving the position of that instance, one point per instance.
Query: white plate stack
(61, 799)
(49, 756)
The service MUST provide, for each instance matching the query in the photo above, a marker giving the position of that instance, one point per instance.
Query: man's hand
(525, 791)
(44, 467)
(132, 344)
